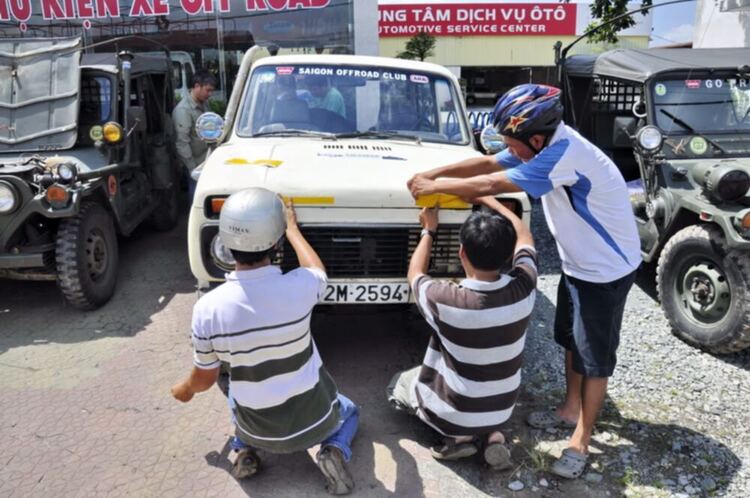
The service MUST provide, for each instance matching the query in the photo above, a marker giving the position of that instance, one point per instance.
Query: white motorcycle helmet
(252, 220)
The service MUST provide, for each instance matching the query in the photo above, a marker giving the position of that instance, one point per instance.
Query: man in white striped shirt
(282, 398)
(468, 382)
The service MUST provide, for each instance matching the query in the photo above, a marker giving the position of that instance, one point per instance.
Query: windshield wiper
(689, 128)
(295, 132)
(379, 134)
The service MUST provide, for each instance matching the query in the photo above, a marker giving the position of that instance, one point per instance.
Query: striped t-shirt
(259, 323)
(471, 373)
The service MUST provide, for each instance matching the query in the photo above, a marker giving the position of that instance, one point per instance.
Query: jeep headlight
(724, 182)
(8, 198)
(733, 185)
(649, 139)
(221, 255)
(67, 172)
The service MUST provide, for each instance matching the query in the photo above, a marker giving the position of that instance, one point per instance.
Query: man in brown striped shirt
(468, 382)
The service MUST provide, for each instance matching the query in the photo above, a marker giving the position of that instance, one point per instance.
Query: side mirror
(209, 127)
(137, 119)
(624, 129)
(491, 140)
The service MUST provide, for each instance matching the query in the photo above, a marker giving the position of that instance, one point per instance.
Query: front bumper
(23, 260)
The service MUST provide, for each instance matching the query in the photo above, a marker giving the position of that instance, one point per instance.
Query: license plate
(367, 293)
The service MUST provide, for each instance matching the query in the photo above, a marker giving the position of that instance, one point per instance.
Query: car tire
(704, 288)
(86, 257)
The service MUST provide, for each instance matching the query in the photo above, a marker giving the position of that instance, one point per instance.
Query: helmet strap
(527, 141)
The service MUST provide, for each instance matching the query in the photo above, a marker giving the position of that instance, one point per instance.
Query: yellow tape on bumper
(444, 201)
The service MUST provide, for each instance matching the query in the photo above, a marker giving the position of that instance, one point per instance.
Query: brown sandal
(450, 450)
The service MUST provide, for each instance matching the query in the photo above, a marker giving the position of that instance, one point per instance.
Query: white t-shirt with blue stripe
(586, 204)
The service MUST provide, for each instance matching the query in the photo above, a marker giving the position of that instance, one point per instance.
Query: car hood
(346, 173)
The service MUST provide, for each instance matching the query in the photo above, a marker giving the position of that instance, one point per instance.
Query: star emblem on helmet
(514, 122)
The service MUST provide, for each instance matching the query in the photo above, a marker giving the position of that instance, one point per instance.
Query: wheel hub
(96, 254)
(705, 291)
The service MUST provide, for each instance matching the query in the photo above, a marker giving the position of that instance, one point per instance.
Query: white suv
(340, 135)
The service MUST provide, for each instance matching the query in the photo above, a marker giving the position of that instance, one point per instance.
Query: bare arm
(523, 234)
(466, 188)
(200, 380)
(420, 260)
(474, 166)
(306, 255)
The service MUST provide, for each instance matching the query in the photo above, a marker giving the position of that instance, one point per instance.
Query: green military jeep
(85, 155)
(677, 124)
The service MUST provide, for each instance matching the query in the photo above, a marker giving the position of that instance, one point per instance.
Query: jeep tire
(86, 257)
(704, 288)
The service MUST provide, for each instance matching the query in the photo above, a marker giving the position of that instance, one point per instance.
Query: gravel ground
(675, 421)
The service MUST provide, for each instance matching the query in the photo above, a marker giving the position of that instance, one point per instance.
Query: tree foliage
(419, 46)
(604, 11)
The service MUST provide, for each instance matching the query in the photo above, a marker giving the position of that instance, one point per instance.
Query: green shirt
(332, 101)
(190, 149)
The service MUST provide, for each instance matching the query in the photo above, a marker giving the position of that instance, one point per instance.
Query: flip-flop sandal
(548, 419)
(570, 465)
(497, 456)
(450, 450)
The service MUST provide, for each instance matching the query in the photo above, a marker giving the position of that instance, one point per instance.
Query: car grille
(376, 252)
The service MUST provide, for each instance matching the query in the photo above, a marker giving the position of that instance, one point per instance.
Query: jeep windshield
(704, 106)
(348, 101)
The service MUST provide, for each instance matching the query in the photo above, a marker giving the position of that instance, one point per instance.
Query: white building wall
(366, 40)
(716, 27)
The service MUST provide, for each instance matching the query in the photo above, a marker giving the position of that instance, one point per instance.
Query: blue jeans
(340, 438)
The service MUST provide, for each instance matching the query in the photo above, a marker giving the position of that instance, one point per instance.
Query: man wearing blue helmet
(588, 211)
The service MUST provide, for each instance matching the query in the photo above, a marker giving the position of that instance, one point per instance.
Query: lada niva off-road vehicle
(340, 136)
(677, 124)
(85, 155)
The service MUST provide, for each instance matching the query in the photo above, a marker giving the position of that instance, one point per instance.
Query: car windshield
(705, 105)
(351, 101)
(96, 100)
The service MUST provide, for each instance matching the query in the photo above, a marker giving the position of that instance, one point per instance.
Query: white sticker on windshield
(419, 78)
(661, 89)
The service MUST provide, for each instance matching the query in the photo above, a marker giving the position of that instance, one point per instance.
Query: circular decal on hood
(698, 146)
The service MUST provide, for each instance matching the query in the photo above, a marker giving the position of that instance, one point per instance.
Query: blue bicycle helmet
(528, 110)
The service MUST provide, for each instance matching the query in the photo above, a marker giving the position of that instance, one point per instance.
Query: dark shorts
(588, 321)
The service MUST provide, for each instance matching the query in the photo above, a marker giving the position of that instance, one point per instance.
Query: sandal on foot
(450, 450)
(497, 456)
(333, 466)
(570, 465)
(548, 419)
(247, 464)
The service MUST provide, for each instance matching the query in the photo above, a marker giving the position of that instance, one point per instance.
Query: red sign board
(23, 10)
(478, 19)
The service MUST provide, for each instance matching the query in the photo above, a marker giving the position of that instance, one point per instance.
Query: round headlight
(491, 140)
(67, 172)
(8, 198)
(112, 132)
(732, 185)
(221, 254)
(209, 127)
(650, 139)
